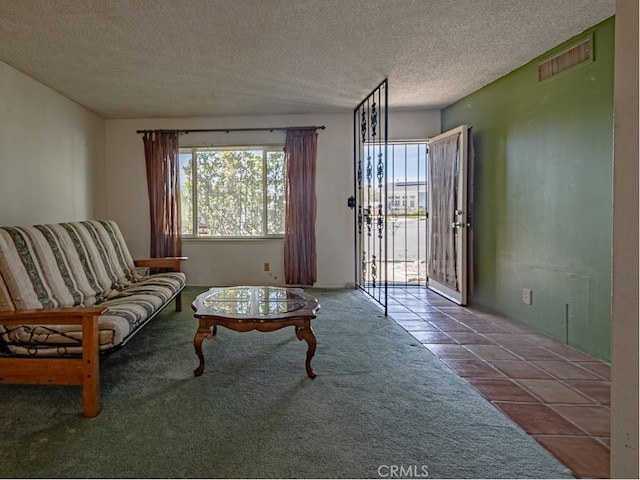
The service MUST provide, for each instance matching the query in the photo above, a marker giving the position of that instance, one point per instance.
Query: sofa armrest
(50, 316)
(174, 263)
(59, 371)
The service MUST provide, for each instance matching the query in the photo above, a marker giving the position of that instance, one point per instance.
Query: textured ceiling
(180, 58)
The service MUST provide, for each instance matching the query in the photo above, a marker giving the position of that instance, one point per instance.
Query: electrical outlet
(267, 266)
(526, 296)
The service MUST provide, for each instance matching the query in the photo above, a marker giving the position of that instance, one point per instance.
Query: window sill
(235, 240)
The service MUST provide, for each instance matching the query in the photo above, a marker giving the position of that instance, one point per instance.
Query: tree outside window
(232, 192)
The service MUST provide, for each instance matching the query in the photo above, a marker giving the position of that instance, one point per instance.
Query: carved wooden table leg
(305, 332)
(204, 331)
(262, 308)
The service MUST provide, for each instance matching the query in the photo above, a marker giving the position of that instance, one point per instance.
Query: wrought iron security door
(370, 120)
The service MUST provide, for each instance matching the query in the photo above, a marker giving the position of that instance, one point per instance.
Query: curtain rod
(227, 130)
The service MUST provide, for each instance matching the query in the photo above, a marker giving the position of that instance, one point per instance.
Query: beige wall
(51, 154)
(226, 262)
(624, 361)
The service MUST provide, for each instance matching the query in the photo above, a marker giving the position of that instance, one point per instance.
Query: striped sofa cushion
(6, 304)
(64, 264)
(76, 264)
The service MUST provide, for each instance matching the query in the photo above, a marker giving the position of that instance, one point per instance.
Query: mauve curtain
(161, 158)
(300, 207)
(442, 249)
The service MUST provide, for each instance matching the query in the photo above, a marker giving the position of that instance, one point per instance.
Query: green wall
(543, 195)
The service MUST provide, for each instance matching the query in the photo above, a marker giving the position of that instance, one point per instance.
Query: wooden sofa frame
(83, 371)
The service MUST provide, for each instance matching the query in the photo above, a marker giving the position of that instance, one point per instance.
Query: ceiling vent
(571, 57)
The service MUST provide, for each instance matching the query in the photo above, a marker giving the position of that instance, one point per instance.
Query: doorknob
(351, 202)
(456, 224)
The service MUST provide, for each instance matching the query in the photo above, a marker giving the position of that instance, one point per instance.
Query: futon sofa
(70, 292)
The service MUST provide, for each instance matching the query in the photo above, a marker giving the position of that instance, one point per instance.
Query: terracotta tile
(564, 370)
(472, 368)
(394, 302)
(404, 316)
(540, 339)
(464, 318)
(410, 301)
(491, 317)
(601, 369)
(450, 325)
(468, 317)
(395, 309)
(584, 456)
(536, 418)
(422, 309)
(600, 391)
(593, 419)
(491, 352)
(427, 312)
(553, 391)
(435, 316)
(507, 339)
(418, 325)
(463, 336)
(452, 309)
(519, 369)
(432, 337)
(569, 353)
(501, 389)
(468, 338)
(532, 352)
(445, 350)
(439, 302)
(513, 327)
(424, 294)
(398, 293)
(483, 326)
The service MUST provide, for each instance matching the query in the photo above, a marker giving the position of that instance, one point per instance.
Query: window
(235, 192)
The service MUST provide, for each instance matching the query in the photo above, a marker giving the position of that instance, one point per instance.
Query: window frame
(266, 149)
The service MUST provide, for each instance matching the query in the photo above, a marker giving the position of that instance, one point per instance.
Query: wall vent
(567, 59)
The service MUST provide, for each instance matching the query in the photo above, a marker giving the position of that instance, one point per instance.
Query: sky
(405, 161)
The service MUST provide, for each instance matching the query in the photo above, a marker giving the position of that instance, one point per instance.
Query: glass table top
(250, 302)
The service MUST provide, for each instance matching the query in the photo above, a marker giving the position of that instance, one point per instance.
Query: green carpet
(382, 406)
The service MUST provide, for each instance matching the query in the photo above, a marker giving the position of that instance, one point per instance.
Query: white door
(447, 214)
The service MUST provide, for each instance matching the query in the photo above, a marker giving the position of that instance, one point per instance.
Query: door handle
(456, 224)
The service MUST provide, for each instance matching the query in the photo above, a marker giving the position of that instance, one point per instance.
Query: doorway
(407, 213)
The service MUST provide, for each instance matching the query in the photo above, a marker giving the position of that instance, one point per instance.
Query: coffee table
(262, 308)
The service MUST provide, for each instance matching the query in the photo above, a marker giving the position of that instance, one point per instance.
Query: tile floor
(557, 394)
